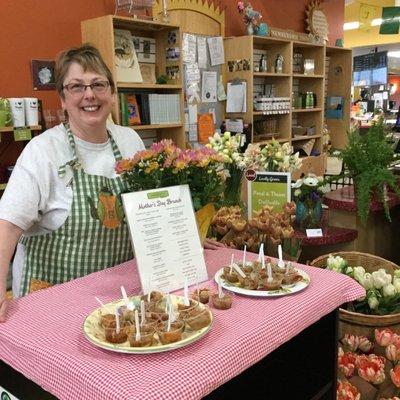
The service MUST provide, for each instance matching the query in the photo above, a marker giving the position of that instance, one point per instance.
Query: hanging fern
(367, 157)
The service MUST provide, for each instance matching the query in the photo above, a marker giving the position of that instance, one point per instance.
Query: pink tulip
(384, 337)
(395, 375)
(346, 391)
(347, 363)
(371, 368)
(392, 352)
(365, 345)
(352, 341)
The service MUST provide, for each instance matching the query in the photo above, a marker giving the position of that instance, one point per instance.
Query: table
(43, 338)
(378, 236)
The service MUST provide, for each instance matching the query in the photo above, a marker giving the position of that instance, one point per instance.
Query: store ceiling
(356, 37)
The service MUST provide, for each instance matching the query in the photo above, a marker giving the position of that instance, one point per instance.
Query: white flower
(396, 283)
(389, 290)
(297, 184)
(359, 273)
(381, 278)
(373, 302)
(367, 281)
(310, 181)
(349, 271)
(297, 192)
(396, 273)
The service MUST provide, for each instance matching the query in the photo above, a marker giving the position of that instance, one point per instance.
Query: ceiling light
(348, 26)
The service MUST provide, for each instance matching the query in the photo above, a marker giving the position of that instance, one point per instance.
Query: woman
(61, 207)
(61, 204)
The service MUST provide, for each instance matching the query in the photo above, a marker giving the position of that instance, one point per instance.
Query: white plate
(284, 291)
(95, 333)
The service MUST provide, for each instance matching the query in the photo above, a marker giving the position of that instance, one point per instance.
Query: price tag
(314, 233)
(3, 186)
(22, 134)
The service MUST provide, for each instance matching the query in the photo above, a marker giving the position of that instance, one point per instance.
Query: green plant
(367, 158)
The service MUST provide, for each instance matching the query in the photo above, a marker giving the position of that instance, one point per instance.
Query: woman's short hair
(88, 57)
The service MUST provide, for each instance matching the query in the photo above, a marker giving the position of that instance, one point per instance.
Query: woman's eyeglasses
(98, 87)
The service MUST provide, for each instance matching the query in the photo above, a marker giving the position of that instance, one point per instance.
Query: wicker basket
(357, 323)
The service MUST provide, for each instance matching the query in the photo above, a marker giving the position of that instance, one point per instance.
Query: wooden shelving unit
(11, 128)
(285, 83)
(100, 32)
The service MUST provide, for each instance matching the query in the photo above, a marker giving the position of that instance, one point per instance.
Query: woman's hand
(212, 244)
(3, 306)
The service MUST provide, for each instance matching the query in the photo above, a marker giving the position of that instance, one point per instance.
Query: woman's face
(88, 109)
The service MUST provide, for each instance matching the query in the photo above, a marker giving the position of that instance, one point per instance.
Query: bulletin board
(202, 19)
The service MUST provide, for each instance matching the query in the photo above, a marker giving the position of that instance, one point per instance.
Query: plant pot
(308, 214)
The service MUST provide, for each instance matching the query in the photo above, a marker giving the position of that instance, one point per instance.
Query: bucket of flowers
(308, 193)
(369, 328)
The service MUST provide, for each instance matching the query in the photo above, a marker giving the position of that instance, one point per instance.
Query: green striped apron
(93, 237)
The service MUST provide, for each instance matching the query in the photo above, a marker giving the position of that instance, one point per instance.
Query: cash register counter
(378, 236)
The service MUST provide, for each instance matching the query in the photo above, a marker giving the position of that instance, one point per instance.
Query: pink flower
(351, 341)
(384, 337)
(346, 391)
(371, 368)
(392, 352)
(240, 6)
(347, 363)
(365, 345)
(395, 375)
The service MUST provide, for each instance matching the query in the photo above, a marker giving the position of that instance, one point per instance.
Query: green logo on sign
(158, 195)
(5, 396)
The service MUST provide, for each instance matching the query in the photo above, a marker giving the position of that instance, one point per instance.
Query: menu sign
(267, 189)
(165, 238)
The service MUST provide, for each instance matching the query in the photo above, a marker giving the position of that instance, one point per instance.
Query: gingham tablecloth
(43, 337)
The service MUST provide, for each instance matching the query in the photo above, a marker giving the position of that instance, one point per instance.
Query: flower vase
(233, 187)
(250, 29)
(309, 214)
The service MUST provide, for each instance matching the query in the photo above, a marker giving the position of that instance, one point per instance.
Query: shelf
(150, 25)
(303, 110)
(134, 85)
(272, 74)
(269, 115)
(280, 140)
(305, 137)
(161, 126)
(11, 128)
(307, 76)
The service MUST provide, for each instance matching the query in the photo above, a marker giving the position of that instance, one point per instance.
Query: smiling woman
(62, 203)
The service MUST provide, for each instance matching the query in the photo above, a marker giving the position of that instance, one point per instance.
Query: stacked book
(141, 108)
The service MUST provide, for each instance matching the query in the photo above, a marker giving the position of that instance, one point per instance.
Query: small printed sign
(22, 134)
(165, 238)
(314, 233)
(267, 189)
(5, 395)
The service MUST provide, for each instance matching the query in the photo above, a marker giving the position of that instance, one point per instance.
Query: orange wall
(39, 29)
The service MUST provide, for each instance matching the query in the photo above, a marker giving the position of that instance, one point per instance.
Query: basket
(357, 323)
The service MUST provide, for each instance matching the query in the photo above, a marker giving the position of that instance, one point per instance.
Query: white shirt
(36, 199)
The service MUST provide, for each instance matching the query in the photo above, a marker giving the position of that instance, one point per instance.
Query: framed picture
(148, 72)
(43, 74)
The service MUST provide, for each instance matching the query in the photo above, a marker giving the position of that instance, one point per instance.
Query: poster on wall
(267, 189)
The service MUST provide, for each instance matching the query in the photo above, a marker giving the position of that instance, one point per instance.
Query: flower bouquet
(368, 368)
(273, 156)
(164, 164)
(228, 146)
(308, 193)
(250, 16)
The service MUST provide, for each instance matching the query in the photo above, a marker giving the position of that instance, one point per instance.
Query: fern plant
(367, 158)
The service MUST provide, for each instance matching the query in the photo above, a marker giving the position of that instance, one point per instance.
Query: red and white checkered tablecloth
(43, 337)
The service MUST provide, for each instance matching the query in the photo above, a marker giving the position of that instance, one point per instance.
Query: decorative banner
(267, 189)
(165, 238)
(366, 15)
(390, 21)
